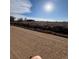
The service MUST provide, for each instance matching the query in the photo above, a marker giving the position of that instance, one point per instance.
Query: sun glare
(49, 7)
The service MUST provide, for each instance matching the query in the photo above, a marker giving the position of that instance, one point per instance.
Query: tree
(12, 19)
(25, 20)
(20, 20)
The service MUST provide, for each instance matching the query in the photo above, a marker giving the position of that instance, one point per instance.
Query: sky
(37, 9)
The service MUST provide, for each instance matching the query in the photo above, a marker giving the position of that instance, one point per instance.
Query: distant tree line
(29, 23)
(12, 19)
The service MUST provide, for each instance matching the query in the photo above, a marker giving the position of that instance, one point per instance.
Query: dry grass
(26, 43)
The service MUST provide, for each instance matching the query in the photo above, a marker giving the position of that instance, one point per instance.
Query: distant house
(30, 20)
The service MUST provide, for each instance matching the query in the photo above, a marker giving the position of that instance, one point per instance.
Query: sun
(48, 7)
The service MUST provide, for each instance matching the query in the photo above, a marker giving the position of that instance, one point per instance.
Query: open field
(26, 43)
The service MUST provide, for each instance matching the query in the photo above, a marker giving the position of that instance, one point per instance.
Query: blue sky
(34, 9)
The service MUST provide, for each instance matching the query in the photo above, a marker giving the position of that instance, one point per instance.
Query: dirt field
(26, 43)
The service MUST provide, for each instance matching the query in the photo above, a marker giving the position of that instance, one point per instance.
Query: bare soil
(26, 43)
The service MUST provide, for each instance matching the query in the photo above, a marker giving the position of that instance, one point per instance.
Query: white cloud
(17, 7)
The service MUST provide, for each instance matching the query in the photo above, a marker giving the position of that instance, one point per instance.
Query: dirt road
(26, 43)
